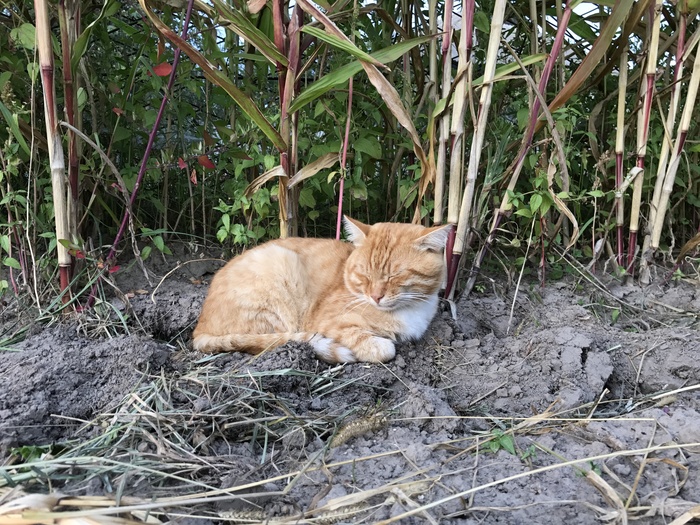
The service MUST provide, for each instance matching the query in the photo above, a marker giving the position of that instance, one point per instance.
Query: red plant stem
(469, 25)
(451, 258)
(278, 27)
(631, 249)
(341, 186)
(146, 154)
(544, 80)
(452, 261)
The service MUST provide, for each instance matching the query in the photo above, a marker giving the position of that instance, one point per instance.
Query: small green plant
(156, 239)
(678, 275)
(501, 441)
(615, 315)
(29, 453)
(529, 453)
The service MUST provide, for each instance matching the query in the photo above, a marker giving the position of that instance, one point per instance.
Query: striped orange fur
(349, 301)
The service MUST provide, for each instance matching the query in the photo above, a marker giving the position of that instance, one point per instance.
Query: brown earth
(470, 425)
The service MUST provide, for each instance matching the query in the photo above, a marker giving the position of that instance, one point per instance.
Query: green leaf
(481, 22)
(339, 43)
(306, 198)
(226, 220)
(5, 243)
(535, 201)
(244, 28)
(596, 194)
(4, 78)
(12, 122)
(581, 27)
(159, 242)
(145, 252)
(506, 441)
(524, 212)
(320, 108)
(615, 315)
(220, 79)
(12, 263)
(370, 146)
(24, 35)
(221, 235)
(341, 75)
(109, 8)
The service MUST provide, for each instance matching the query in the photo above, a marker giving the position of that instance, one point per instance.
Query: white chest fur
(415, 319)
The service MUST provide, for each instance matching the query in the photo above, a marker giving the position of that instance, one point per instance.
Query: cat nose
(377, 297)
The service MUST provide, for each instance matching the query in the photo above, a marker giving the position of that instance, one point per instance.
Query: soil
(469, 425)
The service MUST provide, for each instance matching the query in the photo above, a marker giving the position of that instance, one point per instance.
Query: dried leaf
(687, 247)
(244, 28)
(208, 139)
(205, 162)
(163, 69)
(687, 516)
(326, 161)
(255, 6)
(193, 177)
(258, 183)
(594, 57)
(161, 47)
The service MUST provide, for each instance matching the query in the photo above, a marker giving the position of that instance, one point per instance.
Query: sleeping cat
(349, 301)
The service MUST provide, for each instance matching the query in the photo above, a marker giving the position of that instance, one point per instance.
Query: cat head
(395, 265)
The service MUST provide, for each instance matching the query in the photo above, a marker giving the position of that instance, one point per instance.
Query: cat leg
(353, 347)
(249, 343)
(374, 349)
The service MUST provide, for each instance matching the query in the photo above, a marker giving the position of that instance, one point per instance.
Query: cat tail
(325, 348)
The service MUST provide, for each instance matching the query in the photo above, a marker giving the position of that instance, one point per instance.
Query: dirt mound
(59, 380)
(572, 408)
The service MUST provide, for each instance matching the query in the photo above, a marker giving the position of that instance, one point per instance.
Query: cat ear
(435, 239)
(355, 230)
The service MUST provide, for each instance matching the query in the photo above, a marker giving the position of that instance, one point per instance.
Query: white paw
(328, 350)
(322, 346)
(381, 350)
(344, 355)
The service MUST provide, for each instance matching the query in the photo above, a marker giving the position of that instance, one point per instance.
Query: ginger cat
(350, 302)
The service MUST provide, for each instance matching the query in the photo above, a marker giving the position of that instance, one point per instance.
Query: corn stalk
(464, 218)
(619, 152)
(667, 144)
(506, 205)
(56, 158)
(643, 120)
(444, 122)
(69, 18)
(460, 97)
(670, 175)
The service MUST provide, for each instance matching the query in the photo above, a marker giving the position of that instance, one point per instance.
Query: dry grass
(178, 443)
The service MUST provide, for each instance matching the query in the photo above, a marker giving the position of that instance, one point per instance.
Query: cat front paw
(375, 350)
(331, 352)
